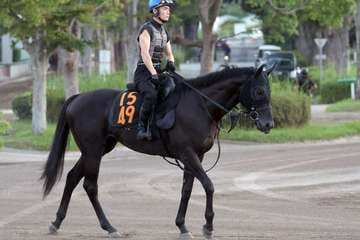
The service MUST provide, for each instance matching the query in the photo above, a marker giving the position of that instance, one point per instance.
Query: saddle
(125, 108)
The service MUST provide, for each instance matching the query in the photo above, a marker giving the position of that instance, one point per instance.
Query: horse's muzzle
(264, 127)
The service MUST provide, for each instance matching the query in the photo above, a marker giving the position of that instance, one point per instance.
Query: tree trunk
(87, 61)
(305, 42)
(335, 49)
(39, 65)
(208, 47)
(131, 32)
(209, 10)
(71, 72)
(357, 25)
(120, 54)
(71, 64)
(337, 46)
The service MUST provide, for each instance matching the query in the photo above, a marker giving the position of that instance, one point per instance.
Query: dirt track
(262, 191)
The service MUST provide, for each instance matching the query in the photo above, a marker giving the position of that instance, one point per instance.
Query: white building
(9, 67)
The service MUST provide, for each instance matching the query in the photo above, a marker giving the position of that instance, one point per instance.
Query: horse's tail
(55, 162)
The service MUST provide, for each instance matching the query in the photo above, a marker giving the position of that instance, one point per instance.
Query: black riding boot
(143, 126)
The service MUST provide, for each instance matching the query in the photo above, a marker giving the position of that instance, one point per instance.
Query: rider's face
(164, 13)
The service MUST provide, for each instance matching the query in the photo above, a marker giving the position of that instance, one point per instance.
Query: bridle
(253, 113)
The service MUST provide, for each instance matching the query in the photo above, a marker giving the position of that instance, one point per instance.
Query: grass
(20, 135)
(311, 132)
(347, 105)
(117, 80)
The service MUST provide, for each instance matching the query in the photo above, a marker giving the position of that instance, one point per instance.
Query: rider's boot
(144, 132)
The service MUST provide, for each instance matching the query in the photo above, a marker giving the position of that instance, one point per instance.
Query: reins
(177, 161)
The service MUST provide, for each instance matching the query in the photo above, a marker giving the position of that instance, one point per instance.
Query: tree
(42, 26)
(308, 19)
(209, 10)
(357, 25)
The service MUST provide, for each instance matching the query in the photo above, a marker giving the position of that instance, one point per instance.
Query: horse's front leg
(188, 180)
(193, 163)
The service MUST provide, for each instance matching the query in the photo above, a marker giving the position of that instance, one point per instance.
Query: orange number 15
(126, 114)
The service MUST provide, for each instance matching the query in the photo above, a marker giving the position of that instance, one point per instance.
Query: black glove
(170, 66)
(155, 80)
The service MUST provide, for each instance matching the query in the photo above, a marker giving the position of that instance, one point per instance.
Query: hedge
(329, 89)
(4, 127)
(333, 92)
(290, 107)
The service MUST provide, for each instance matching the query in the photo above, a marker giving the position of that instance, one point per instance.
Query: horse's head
(255, 96)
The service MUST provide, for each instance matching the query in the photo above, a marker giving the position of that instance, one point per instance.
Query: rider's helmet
(158, 3)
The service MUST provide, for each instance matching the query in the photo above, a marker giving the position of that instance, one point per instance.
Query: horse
(202, 104)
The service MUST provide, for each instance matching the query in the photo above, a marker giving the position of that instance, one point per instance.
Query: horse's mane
(226, 73)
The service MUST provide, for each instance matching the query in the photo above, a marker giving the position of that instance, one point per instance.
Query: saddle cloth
(126, 106)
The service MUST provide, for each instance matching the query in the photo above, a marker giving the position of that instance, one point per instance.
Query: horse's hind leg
(91, 172)
(72, 180)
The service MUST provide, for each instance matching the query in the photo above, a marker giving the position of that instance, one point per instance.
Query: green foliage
(20, 136)
(329, 89)
(233, 9)
(21, 106)
(55, 93)
(347, 105)
(329, 12)
(45, 21)
(186, 10)
(333, 91)
(282, 22)
(290, 107)
(286, 25)
(4, 128)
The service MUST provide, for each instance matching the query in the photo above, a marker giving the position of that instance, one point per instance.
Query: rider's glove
(155, 80)
(170, 66)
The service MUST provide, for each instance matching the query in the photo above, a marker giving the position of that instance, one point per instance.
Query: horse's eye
(258, 93)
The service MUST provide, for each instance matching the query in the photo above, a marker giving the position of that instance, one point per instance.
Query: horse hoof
(114, 235)
(52, 229)
(185, 236)
(207, 234)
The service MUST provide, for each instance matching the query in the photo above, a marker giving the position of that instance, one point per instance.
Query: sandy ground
(262, 191)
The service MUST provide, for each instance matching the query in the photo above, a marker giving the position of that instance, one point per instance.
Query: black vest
(158, 41)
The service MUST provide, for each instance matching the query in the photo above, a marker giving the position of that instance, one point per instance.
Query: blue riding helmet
(158, 3)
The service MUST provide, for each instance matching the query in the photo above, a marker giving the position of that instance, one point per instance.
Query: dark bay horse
(196, 126)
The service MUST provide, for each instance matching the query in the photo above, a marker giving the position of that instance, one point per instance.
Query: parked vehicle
(285, 63)
(263, 51)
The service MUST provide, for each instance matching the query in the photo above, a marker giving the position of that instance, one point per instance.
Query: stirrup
(144, 135)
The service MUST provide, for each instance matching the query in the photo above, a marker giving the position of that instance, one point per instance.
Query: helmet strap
(162, 20)
(156, 12)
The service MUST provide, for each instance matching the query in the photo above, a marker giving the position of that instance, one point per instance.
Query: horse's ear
(259, 70)
(269, 70)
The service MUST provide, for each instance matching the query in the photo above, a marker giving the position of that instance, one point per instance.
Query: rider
(153, 40)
